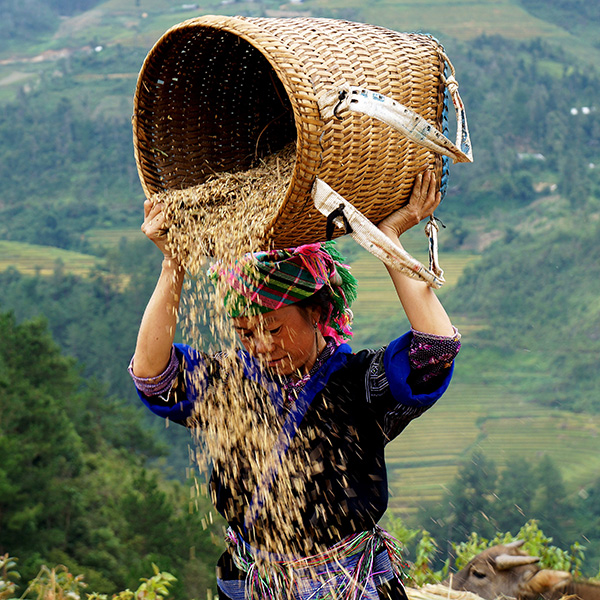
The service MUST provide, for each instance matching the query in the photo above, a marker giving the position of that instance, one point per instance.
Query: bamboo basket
(215, 93)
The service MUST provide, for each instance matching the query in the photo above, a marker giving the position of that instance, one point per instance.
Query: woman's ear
(316, 314)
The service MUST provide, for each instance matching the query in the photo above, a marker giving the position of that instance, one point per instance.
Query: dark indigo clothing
(362, 402)
(339, 422)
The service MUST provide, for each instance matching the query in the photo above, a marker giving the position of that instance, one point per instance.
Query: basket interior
(210, 102)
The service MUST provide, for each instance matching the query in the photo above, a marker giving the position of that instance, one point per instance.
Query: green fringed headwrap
(265, 281)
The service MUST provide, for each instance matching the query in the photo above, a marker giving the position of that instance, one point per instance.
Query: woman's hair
(320, 299)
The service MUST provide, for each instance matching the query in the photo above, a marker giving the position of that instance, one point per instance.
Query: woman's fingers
(425, 198)
(154, 220)
(417, 186)
(153, 212)
(431, 196)
(156, 211)
(148, 204)
(422, 203)
(154, 227)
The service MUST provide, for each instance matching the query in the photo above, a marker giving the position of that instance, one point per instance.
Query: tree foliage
(74, 488)
(519, 97)
(483, 500)
(64, 172)
(94, 318)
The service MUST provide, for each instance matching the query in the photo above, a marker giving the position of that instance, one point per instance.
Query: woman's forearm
(157, 329)
(422, 307)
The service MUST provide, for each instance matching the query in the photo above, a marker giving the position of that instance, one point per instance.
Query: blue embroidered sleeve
(395, 388)
(398, 370)
(178, 403)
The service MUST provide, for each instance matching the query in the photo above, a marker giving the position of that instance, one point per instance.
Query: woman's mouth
(278, 364)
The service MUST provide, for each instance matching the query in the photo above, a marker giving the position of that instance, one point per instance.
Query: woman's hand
(422, 203)
(153, 226)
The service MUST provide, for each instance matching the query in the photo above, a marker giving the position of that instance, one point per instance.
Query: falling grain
(237, 427)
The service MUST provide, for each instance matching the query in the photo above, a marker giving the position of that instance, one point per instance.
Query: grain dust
(237, 426)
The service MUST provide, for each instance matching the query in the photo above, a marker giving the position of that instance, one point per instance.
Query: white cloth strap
(366, 234)
(402, 118)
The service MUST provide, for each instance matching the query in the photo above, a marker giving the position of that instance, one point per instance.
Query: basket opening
(211, 103)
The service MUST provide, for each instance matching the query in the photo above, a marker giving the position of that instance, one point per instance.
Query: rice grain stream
(237, 428)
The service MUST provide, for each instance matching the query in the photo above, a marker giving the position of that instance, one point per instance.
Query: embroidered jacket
(343, 418)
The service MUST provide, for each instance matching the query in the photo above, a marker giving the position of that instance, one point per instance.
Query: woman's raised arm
(422, 307)
(157, 329)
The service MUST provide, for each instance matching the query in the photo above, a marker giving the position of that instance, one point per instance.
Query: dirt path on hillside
(71, 25)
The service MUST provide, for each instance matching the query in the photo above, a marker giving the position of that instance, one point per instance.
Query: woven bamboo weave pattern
(217, 92)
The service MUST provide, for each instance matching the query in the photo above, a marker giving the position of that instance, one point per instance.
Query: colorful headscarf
(264, 281)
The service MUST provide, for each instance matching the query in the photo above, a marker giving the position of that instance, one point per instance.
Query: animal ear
(547, 580)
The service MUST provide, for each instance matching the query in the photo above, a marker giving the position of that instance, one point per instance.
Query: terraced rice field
(112, 237)
(423, 461)
(425, 458)
(31, 259)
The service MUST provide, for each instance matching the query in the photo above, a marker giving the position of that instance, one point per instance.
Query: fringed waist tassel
(350, 570)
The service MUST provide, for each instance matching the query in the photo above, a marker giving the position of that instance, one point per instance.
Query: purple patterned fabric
(431, 354)
(161, 384)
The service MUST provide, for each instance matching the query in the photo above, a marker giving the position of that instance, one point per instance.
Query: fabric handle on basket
(403, 119)
(329, 202)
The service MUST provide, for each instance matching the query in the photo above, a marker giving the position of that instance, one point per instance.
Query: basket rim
(296, 84)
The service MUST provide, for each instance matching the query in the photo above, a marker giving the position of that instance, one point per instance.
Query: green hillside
(138, 25)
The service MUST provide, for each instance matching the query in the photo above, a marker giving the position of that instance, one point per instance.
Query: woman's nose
(263, 345)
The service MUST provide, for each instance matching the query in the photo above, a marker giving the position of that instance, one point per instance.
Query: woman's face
(284, 339)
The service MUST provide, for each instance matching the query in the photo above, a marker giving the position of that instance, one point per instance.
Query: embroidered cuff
(160, 384)
(431, 354)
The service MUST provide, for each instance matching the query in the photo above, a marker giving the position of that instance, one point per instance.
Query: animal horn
(515, 544)
(508, 561)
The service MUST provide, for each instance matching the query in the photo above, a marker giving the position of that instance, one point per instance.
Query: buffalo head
(505, 570)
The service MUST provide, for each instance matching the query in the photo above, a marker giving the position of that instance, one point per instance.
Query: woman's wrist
(402, 222)
(170, 263)
(390, 232)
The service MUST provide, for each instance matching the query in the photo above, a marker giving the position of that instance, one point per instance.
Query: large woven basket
(216, 92)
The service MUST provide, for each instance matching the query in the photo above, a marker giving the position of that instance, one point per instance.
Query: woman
(334, 411)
